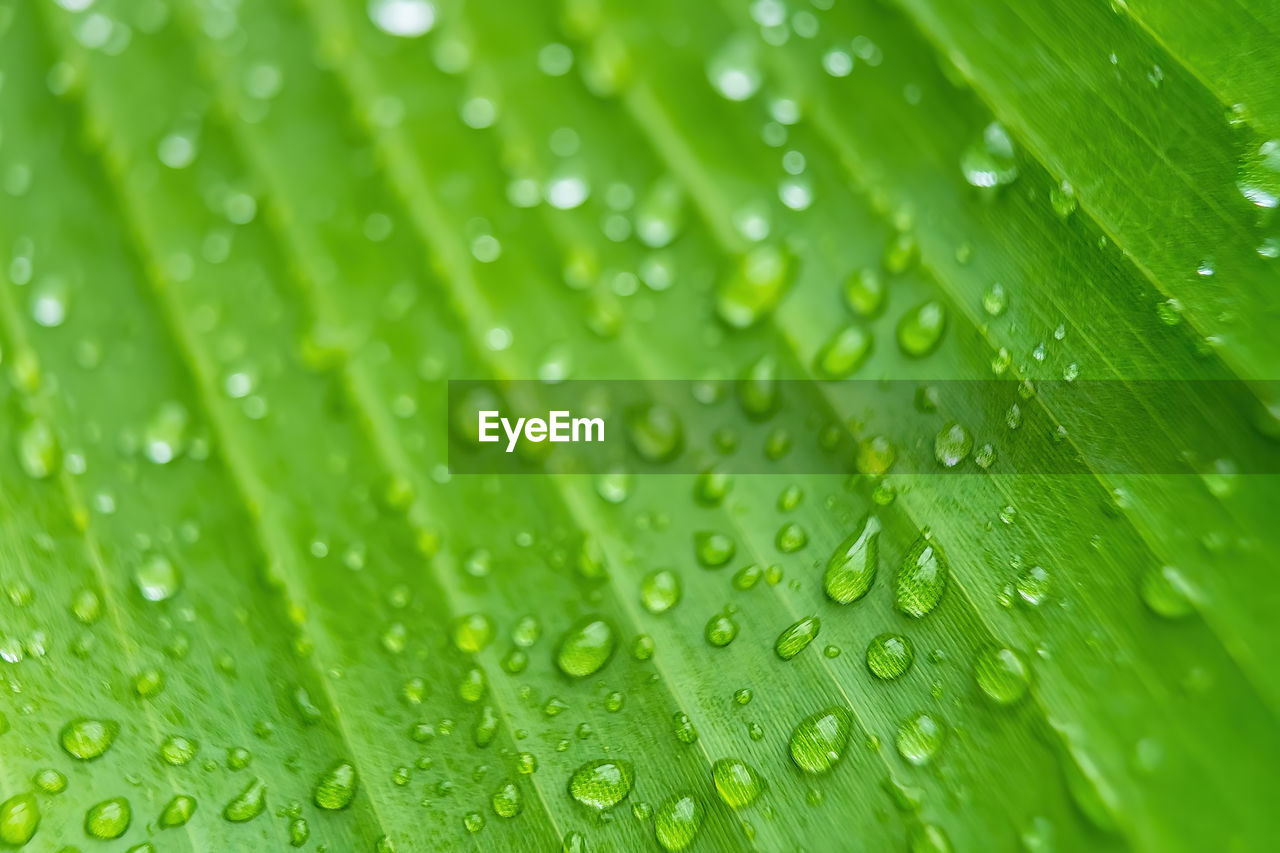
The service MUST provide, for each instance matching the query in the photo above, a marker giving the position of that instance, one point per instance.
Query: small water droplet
(737, 782)
(586, 647)
(818, 743)
(889, 656)
(1001, 675)
(108, 819)
(922, 579)
(603, 783)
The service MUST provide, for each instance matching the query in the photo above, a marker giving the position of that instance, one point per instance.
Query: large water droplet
(86, 739)
(660, 591)
(603, 783)
(1167, 592)
(506, 801)
(677, 821)
(157, 578)
(922, 579)
(843, 353)
(852, 565)
(336, 787)
(1259, 179)
(952, 445)
(248, 804)
(920, 330)
(586, 647)
(108, 819)
(19, 819)
(796, 638)
(919, 738)
(177, 812)
(1001, 675)
(889, 656)
(819, 741)
(754, 289)
(990, 161)
(737, 782)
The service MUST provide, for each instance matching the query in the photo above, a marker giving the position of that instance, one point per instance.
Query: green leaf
(245, 247)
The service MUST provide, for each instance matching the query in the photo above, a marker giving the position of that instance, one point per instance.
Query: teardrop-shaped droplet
(990, 161)
(86, 739)
(920, 330)
(921, 580)
(919, 738)
(757, 388)
(796, 638)
(108, 819)
(1001, 675)
(889, 656)
(952, 445)
(158, 579)
(473, 632)
(248, 804)
(506, 801)
(336, 787)
(755, 288)
(843, 353)
(655, 433)
(864, 292)
(713, 549)
(677, 821)
(737, 782)
(819, 741)
(177, 812)
(1167, 592)
(852, 565)
(586, 647)
(660, 591)
(603, 783)
(19, 819)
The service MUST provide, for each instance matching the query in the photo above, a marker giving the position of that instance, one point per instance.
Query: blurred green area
(246, 244)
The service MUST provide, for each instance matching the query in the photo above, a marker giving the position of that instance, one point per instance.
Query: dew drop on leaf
(819, 741)
(677, 821)
(889, 656)
(721, 630)
(586, 647)
(248, 804)
(796, 638)
(86, 739)
(603, 783)
(660, 591)
(108, 819)
(336, 787)
(843, 353)
(177, 811)
(737, 782)
(506, 801)
(19, 819)
(1001, 675)
(920, 330)
(919, 738)
(157, 578)
(990, 161)
(749, 294)
(851, 568)
(921, 580)
(1167, 593)
(712, 549)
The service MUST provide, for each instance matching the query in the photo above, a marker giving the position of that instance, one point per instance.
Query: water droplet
(248, 804)
(919, 738)
(737, 782)
(336, 787)
(659, 217)
(852, 565)
(797, 637)
(108, 819)
(922, 579)
(952, 445)
(586, 647)
(733, 70)
(921, 329)
(875, 456)
(177, 812)
(684, 730)
(791, 537)
(655, 433)
(165, 436)
(1062, 198)
(660, 591)
(995, 301)
(864, 292)
(843, 353)
(754, 289)
(677, 821)
(711, 487)
(86, 739)
(1167, 592)
(928, 838)
(506, 800)
(757, 388)
(1001, 675)
(1259, 177)
(472, 633)
(712, 549)
(157, 578)
(602, 784)
(1033, 585)
(51, 781)
(38, 449)
(819, 741)
(19, 819)
(178, 750)
(990, 161)
(404, 18)
(889, 656)
(721, 630)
